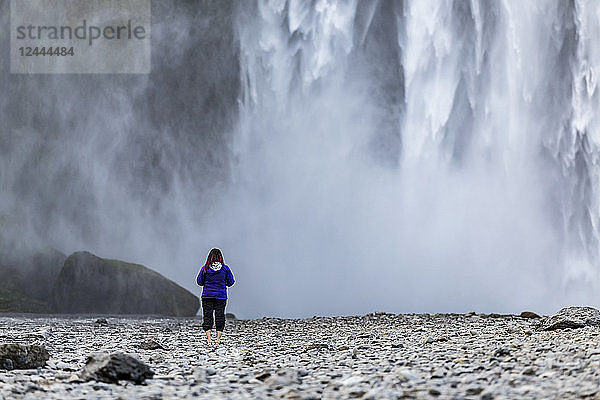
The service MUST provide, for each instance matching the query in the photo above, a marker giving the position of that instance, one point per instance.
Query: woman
(215, 276)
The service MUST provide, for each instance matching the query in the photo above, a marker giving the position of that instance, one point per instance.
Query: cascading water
(478, 190)
(386, 155)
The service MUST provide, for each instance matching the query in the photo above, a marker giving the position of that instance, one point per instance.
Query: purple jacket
(215, 282)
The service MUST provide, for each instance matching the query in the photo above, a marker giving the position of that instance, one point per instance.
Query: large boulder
(112, 368)
(571, 317)
(88, 284)
(18, 356)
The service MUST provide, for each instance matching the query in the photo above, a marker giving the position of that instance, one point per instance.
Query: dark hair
(214, 255)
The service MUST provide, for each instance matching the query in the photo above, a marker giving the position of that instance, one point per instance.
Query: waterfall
(416, 155)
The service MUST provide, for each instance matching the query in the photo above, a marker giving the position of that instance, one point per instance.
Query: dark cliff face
(92, 285)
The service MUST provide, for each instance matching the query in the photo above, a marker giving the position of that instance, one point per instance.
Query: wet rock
(230, 316)
(571, 317)
(90, 284)
(111, 368)
(150, 344)
(18, 356)
(529, 314)
(101, 321)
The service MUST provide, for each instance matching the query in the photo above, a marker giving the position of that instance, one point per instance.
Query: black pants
(218, 307)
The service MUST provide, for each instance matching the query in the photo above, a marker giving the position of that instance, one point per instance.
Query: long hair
(214, 255)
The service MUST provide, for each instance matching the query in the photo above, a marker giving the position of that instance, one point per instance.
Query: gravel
(376, 356)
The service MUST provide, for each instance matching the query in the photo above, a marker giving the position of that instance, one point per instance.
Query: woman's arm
(201, 277)
(229, 281)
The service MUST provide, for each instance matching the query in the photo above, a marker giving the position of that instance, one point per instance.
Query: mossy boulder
(88, 284)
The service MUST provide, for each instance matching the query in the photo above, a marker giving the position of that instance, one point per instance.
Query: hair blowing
(214, 255)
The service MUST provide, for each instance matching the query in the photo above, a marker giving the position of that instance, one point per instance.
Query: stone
(262, 376)
(230, 316)
(529, 371)
(150, 344)
(111, 368)
(406, 374)
(282, 378)
(63, 365)
(90, 284)
(18, 356)
(501, 352)
(351, 380)
(101, 321)
(474, 391)
(529, 314)
(430, 340)
(571, 317)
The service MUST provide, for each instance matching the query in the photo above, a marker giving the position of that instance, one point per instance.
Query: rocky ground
(377, 356)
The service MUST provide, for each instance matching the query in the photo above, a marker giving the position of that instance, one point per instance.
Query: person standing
(215, 277)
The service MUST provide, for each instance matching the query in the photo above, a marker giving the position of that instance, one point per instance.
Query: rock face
(111, 368)
(90, 284)
(571, 317)
(27, 279)
(18, 356)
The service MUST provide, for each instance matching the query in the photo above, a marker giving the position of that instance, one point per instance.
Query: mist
(347, 157)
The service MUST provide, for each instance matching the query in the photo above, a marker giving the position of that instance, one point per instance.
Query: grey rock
(529, 314)
(501, 352)
(111, 368)
(474, 391)
(283, 377)
(430, 340)
(63, 365)
(529, 371)
(90, 284)
(571, 317)
(150, 344)
(18, 356)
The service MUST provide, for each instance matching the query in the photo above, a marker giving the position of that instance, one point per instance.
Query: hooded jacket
(215, 280)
